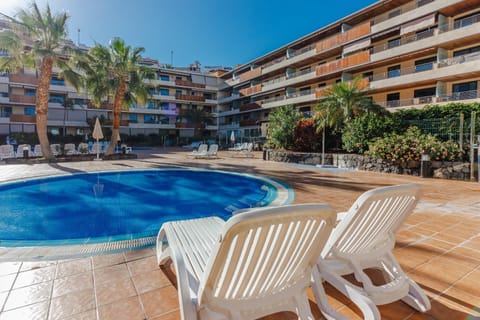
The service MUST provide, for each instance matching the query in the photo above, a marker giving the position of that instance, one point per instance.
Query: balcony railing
(405, 40)
(250, 106)
(337, 65)
(190, 98)
(250, 74)
(338, 39)
(23, 78)
(465, 22)
(186, 83)
(401, 10)
(22, 118)
(251, 90)
(450, 97)
(428, 66)
(22, 99)
(248, 122)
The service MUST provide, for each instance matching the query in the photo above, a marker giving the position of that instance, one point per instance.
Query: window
(164, 77)
(466, 51)
(152, 90)
(467, 20)
(133, 117)
(29, 111)
(321, 85)
(393, 99)
(30, 92)
(423, 2)
(5, 112)
(368, 75)
(151, 105)
(179, 92)
(163, 105)
(425, 33)
(163, 92)
(148, 118)
(394, 71)
(425, 64)
(55, 98)
(394, 13)
(304, 91)
(393, 43)
(179, 78)
(424, 95)
(465, 90)
(57, 81)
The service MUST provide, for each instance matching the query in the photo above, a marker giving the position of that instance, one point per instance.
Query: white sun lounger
(364, 239)
(257, 263)
(69, 149)
(7, 151)
(20, 147)
(200, 152)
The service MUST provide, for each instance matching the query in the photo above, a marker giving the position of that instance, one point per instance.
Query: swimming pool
(114, 206)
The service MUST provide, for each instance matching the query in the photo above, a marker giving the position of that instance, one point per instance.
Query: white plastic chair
(7, 151)
(82, 148)
(37, 151)
(55, 148)
(257, 263)
(96, 148)
(364, 239)
(20, 148)
(69, 149)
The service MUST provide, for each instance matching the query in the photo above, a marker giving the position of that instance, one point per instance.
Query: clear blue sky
(214, 32)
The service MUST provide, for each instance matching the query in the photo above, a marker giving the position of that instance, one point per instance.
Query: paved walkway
(439, 247)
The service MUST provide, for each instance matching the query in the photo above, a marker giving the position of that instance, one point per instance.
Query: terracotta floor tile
(142, 265)
(71, 304)
(463, 256)
(34, 276)
(138, 254)
(439, 274)
(37, 311)
(6, 282)
(471, 284)
(73, 267)
(473, 243)
(9, 268)
(149, 281)
(449, 306)
(412, 257)
(175, 315)
(107, 260)
(396, 310)
(110, 274)
(72, 283)
(29, 295)
(160, 301)
(438, 245)
(87, 315)
(126, 309)
(114, 290)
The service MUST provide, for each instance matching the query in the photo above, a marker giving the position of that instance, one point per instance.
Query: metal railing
(401, 10)
(449, 97)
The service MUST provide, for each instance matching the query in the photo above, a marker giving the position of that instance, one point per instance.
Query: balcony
(444, 69)
(22, 118)
(23, 78)
(186, 83)
(189, 98)
(183, 125)
(250, 74)
(448, 33)
(290, 80)
(323, 92)
(248, 122)
(22, 99)
(229, 98)
(251, 90)
(473, 95)
(344, 63)
(341, 38)
(250, 106)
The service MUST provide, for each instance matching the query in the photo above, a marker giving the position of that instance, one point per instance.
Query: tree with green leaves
(342, 102)
(195, 117)
(114, 73)
(281, 126)
(37, 40)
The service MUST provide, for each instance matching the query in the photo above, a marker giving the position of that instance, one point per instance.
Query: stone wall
(437, 169)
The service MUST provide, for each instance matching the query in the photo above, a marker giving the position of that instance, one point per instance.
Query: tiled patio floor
(439, 247)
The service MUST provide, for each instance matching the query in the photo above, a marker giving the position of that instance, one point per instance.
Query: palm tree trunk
(41, 106)
(117, 111)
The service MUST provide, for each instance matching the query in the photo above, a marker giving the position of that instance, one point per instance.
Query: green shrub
(362, 130)
(281, 127)
(411, 145)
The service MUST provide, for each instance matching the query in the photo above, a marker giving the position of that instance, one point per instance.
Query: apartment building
(408, 54)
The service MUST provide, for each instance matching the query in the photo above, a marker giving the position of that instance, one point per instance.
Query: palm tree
(114, 73)
(195, 117)
(38, 40)
(342, 102)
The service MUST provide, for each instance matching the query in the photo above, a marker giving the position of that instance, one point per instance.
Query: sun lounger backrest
(373, 220)
(265, 252)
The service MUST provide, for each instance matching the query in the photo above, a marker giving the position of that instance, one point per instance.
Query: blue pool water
(110, 206)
